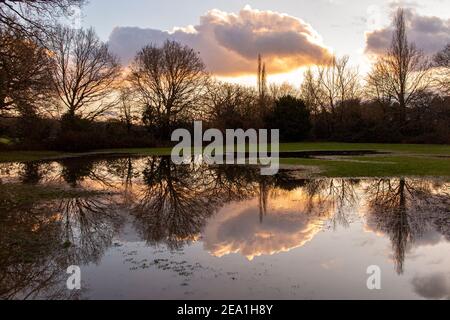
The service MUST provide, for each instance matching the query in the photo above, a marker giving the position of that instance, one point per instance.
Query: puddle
(160, 231)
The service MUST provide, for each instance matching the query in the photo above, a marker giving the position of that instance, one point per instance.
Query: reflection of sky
(294, 250)
(236, 228)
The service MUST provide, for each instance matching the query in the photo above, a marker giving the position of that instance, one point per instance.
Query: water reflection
(409, 212)
(87, 227)
(287, 224)
(229, 209)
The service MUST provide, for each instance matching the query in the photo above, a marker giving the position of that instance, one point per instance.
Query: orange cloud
(288, 224)
(229, 43)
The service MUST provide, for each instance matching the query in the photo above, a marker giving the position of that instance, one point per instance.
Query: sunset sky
(290, 34)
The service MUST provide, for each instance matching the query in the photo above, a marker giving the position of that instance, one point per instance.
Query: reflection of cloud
(429, 33)
(433, 286)
(229, 43)
(237, 228)
(428, 237)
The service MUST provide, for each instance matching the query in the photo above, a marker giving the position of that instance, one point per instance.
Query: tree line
(62, 88)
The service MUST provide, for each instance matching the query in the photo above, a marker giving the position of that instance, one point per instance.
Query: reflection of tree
(76, 169)
(243, 182)
(234, 182)
(30, 254)
(171, 205)
(34, 172)
(124, 169)
(31, 173)
(38, 241)
(88, 225)
(91, 169)
(175, 201)
(405, 209)
(338, 195)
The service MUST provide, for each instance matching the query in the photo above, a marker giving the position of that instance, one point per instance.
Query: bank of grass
(381, 147)
(375, 166)
(402, 159)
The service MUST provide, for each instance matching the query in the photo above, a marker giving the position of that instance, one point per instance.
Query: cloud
(429, 33)
(229, 43)
(433, 286)
(286, 225)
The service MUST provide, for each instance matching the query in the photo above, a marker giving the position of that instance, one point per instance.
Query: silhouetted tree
(169, 81)
(25, 75)
(263, 97)
(127, 107)
(230, 106)
(277, 91)
(329, 87)
(35, 18)
(442, 62)
(401, 75)
(85, 73)
(291, 117)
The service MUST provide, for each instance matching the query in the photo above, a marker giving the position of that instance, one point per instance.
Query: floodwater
(153, 230)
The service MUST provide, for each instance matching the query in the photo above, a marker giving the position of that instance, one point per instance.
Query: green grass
(375, 166)
(5, 141)
(334, 146)
(404, 159)
(322, 146)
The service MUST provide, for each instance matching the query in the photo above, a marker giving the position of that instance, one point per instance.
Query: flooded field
(143, 228)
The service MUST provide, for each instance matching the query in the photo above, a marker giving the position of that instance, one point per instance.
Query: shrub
(291, 116)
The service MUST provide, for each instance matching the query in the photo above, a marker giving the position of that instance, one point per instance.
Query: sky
(290, 34)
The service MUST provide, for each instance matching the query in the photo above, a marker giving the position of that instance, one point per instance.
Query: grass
(375, 166)
(5, 141)
(397, 148)
(403, 159)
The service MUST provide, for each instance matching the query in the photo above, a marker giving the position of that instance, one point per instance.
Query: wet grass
(403, 159)
(425, 149)
(375, 166)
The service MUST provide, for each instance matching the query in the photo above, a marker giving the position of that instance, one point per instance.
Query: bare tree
(331, 84)
(230, 105)
(402, 73)
(329, 87)
(442, 63)
(25, 74)
(34, 17)
(263, 97)
(127, 107)
(277, 91)
(169, 81)
(261, 78)
(85, 72)
(309, 92)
